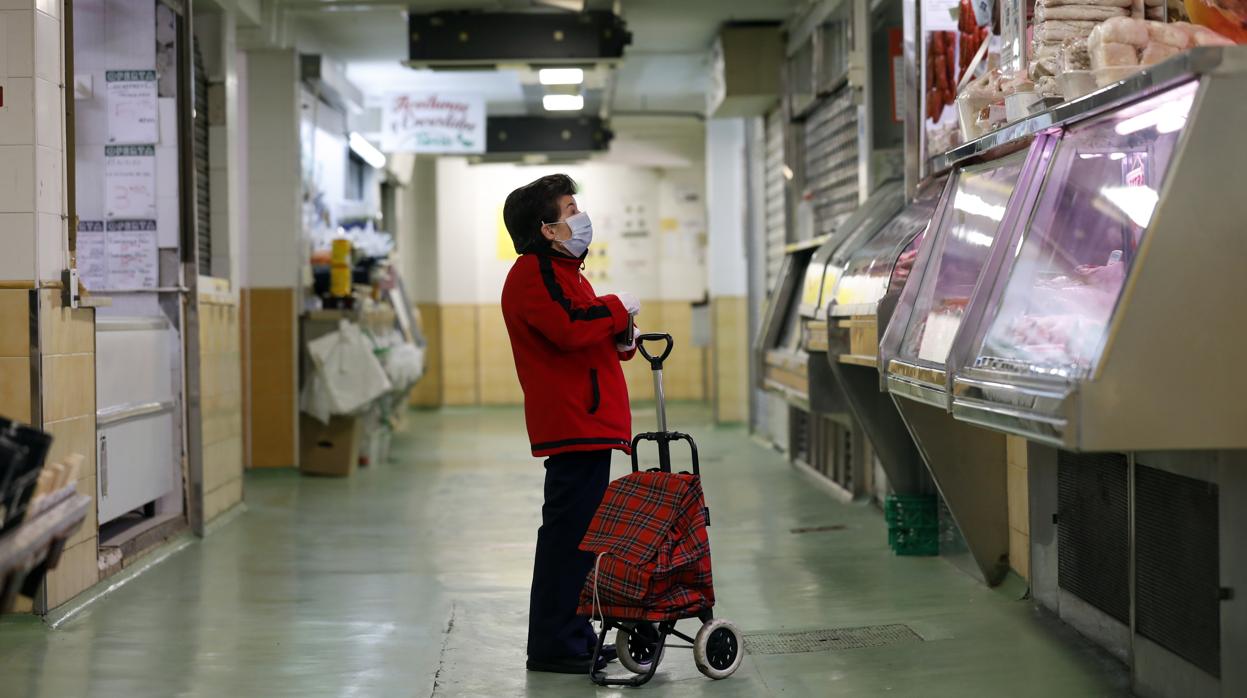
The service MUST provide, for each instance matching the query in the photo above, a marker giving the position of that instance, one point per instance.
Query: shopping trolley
(652, 560)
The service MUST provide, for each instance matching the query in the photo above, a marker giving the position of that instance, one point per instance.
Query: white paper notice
(92, 255)
(130, 182)
(133, 117)
(133, 259)
(939, 15)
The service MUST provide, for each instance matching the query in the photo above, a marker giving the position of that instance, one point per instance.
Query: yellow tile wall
(428, 392)
(499, 384)
(270, 377)
(67, 342)
(460, 352)
(221, 403)
(1019, 505)
(730, 351)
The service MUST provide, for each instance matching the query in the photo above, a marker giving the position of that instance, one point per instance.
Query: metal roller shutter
(776, 209)
(831, 160)
(203, 195)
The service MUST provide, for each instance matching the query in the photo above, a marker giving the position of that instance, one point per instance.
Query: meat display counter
(874, 267)
(966, 462)
(784, 361)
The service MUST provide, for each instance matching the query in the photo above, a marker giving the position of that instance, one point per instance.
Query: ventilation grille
(829, 640)
(776, 236)
(831, 160)
(203, 196)
(1177, 566)
(1093, 549)
(799, 434)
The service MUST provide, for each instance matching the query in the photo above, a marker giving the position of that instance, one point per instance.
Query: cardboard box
(331, 449)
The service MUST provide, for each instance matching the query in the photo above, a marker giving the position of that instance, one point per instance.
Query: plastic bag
(351, 374)
(404, 364)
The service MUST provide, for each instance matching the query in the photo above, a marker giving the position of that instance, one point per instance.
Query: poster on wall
(133, 114)
(131, 255)
(430, 122)
(92, 255)
(130, 182)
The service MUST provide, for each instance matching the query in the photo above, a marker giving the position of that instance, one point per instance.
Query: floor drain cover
(829, 639)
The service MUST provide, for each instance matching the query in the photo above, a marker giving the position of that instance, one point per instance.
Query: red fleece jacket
(563, 339)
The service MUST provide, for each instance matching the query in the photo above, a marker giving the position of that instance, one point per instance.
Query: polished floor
(411, 579)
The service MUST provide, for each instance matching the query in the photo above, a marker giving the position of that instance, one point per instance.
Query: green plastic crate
(911, 510)
(914, 540)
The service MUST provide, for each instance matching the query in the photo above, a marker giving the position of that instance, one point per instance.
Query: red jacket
(563, 339)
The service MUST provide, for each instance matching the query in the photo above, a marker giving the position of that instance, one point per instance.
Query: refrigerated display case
(784, 361)
(874, 268)
(919, 337)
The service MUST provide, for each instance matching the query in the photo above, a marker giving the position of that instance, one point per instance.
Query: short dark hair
(531, 205)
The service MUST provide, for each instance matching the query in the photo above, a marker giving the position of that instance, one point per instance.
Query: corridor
(412, 580)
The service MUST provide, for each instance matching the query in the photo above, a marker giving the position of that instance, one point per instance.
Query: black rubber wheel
(638, 647)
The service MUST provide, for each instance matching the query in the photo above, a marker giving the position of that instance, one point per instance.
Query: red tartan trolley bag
(652, 565)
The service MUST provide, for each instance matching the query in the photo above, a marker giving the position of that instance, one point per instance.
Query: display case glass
(868, 270)
(962, 238)
(1082, 238)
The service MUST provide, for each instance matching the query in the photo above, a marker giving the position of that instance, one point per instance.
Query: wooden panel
(68, 386)
(14, 322)
(1019, 553)
(863, 335)
(15, 388)
(270, 394)
(222, 462)
(428, 392)
(70, 436)
(77, 570)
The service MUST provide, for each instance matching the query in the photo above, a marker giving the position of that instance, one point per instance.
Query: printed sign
(133, 116)
(433, 123)
(92, 255)
(130, 181)
(132, 258)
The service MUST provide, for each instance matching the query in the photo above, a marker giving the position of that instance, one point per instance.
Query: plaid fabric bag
(652, 553)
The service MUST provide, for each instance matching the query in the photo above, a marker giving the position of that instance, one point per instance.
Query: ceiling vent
(457, 40)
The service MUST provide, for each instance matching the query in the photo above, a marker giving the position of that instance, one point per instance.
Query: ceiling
(665, 71)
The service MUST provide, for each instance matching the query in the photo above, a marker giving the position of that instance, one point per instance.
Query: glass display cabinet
(919, 337)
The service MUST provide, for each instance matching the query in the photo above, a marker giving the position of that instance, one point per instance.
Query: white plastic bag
(404, 364)
(351, 373)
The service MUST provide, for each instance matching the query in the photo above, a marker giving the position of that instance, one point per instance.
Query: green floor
(411, 579)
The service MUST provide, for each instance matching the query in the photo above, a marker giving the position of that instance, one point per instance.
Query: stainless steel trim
(812, 243)
(660, 398)
(128, 324)
(917, 392)
(1187, 65)
(36, 361)
(131, 410)
(1040, 428)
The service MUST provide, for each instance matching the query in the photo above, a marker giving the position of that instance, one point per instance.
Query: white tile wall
(47, 47)
(17, 117)
(49, 114)
(49, 172)
(19, 33)
(18, 261)
(17, 186)
(52, 244)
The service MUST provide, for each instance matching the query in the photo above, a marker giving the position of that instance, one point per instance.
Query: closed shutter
(203, 195)
(774, 180)
(831, 160)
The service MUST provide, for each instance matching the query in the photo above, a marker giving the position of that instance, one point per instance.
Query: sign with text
(132, 111)
(433, 123)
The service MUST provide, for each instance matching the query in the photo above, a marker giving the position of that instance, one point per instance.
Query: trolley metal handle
(664, 439)
(655, 362)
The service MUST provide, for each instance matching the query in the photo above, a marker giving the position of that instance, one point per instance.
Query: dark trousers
(575, 485)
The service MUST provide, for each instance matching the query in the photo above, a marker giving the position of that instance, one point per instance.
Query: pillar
(727, 203)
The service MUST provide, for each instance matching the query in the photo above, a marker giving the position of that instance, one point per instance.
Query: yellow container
(341, 252)
(339, 280)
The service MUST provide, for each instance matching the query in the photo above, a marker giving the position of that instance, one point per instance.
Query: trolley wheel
(638, 647)
(718, 649)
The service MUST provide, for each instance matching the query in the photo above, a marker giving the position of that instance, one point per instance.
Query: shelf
(859, 360)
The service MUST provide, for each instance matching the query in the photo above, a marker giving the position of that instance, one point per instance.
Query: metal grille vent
(1093, 545)
(829, 639)
(203, 196)
(831, 160)
(1177, 565)
(799, 434)
(776, 208)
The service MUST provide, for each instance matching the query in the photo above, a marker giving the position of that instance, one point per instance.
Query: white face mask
(582, 234)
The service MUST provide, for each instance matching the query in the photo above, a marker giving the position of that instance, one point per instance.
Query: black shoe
(609, 653)
(566, 665)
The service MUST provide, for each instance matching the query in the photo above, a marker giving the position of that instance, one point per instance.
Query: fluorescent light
(1136, 202)
(974, 205)
(563, 102)
(561, 76)
(367, 151)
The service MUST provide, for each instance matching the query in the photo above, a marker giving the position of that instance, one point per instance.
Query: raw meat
(1112, 55)
(1088, 3)
(1157, 52)
(1166, 34)
(1054, 32)
(1123, 30)
(1087, 13)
